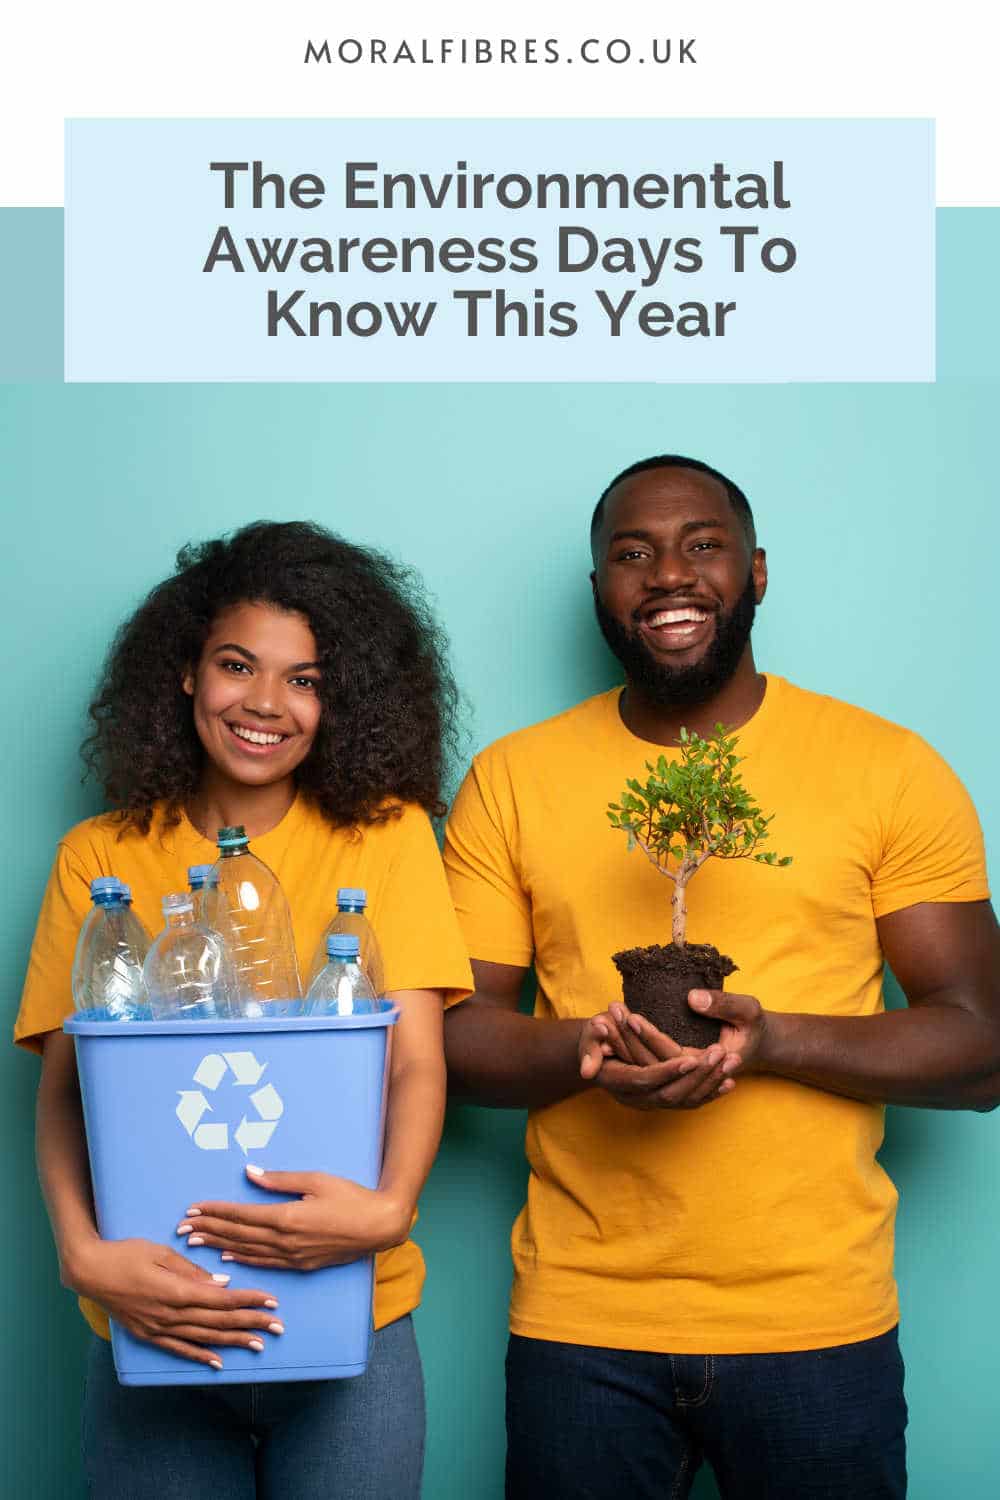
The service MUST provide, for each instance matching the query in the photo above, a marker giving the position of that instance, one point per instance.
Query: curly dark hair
(382, 657)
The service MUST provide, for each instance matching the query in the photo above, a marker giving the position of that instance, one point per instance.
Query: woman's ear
(187, 682)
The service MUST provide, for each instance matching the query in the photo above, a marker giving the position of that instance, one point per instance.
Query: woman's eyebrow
(232, 646)
(299, 666)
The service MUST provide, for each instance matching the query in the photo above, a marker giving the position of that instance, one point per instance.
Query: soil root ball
(656, 982)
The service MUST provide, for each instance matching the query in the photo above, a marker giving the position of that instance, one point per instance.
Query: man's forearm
(503, 1058)
(935, 1055)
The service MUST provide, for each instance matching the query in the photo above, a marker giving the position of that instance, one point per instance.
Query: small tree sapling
(685, 813)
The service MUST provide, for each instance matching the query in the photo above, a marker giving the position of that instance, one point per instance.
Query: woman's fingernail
(687, 1066)
(196, 1239)
(254, 1171)
(221, 1277)
(635, 1024)
(224, 1256)
(216, 1364)
(257, 1344)
(184, 1228)
(270, 1303)
(700, 999)
(275, 1327)
(193, 1213)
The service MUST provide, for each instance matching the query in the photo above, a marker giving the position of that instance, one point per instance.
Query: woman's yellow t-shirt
(398, 864)
(764, 1222)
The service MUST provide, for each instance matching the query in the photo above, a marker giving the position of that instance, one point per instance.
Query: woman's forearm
(61, 1151)
(415, 1113)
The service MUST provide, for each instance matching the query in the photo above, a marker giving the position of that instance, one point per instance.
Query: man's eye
(630, 555)
(706, 546)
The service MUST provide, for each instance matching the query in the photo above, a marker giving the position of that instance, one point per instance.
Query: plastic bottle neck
(182, 918)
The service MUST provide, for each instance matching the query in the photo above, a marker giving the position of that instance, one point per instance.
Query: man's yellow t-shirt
(397, 863)
(762, 1223)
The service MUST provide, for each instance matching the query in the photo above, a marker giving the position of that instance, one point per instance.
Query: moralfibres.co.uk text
(481, 51)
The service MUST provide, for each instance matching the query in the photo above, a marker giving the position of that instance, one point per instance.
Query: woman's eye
(306, 682)
(235, 667)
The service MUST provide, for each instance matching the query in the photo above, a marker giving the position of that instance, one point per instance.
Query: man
(703, 1268)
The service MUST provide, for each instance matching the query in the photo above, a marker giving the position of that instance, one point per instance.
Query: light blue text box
(143, 209)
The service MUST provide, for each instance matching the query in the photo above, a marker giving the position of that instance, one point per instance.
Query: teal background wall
(878, 506)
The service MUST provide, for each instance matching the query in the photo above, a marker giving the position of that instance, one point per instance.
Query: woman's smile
(253, 741)
(263, 738)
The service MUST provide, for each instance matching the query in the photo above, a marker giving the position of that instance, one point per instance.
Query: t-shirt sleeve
(47, 998)
(932, 845)
(480, 859)
(418, 933)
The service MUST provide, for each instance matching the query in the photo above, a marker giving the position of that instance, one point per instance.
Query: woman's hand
(168, 1301)
(333, 1221)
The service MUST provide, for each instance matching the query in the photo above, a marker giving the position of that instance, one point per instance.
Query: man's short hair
(737, 499)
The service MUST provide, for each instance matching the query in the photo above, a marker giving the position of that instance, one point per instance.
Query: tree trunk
(678, 904)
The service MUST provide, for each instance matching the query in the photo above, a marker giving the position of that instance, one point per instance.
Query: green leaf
(694, 807)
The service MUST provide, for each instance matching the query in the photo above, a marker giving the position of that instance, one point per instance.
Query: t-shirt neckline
(194, 835)
(748, 733)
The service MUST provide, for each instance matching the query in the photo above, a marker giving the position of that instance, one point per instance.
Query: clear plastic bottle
(350, 917)
(340, 988)
(187, 971)
(247, 907)
(110, 951)
(198, 877)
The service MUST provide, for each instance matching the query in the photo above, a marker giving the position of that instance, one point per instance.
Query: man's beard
(683, 687)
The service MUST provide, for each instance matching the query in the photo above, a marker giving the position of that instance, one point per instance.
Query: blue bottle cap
(232, 838)
(107, 888)
(342, 945)
(198, 876)
(352, 895)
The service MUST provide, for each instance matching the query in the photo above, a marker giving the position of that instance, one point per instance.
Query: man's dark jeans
(602, 1424)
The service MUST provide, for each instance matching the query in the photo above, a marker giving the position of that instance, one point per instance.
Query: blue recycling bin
(175, 1110)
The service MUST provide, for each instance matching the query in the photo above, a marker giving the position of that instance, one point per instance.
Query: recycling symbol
(249, 1134)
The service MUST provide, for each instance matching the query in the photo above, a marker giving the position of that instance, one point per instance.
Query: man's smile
(675, 627)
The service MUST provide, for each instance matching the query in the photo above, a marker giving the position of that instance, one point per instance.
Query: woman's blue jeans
(604, 1424)
(355, 1439)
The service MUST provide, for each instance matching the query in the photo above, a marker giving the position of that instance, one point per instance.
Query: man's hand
(744, 1024)
(643, 1068)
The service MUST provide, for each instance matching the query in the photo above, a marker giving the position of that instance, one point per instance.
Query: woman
(288, 681)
